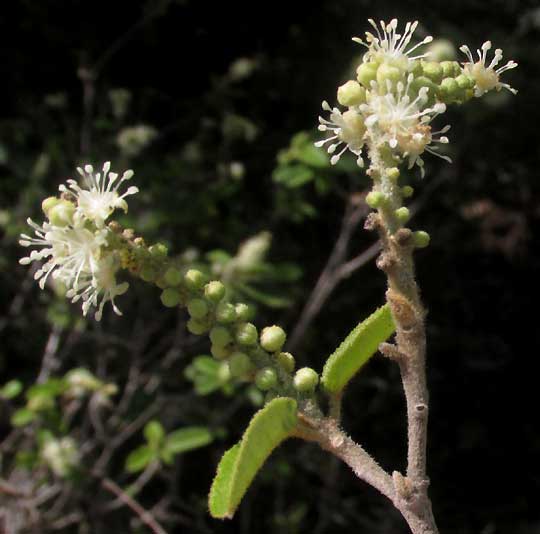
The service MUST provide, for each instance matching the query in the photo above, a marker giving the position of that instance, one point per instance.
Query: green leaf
(293, 176)
(154, 434)
(313, 156)
(11, 389)
(357, 349)
(239, 465)
(139, 458)
(50, 389)
(22, 417)
(186, 439)
(272, 301)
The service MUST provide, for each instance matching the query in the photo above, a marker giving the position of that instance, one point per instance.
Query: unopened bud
(246, 334)
(62, 213)
(197, 308)
(272, 338)
(240, 364)
(220, 352)
(197, 327)
(225, 312)
(375, 199)
(407, 191)
(421, 239)
(403, 214)
(351, 93)
(388, 73)
(244, 312)
(286, 361)
(266, 378)
(305, 380)
(451, 69)
(220, 336)
(393, 173)
(194, 279)
(170, 297)
(433, 71)
(214, 291)
(48, 204)
(172, 276)
(366, 73)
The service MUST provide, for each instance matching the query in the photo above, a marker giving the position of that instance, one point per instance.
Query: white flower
(390, 46)
(133, 139)
(73, 252)
(101, 197)
(61, 455)
(348, 129)
(486, 76)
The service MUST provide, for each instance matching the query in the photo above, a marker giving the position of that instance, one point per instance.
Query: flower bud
(48, 204)
(214, 291)
(388, 73)
(449, 89)
(375, 199)
(197, 308)
(421, 239)
(451, 69)
(148, 273)
(240, 364)
(286, 361)
(62, 213)
(351, 93)
(266, 378)
(432, 70)
(393, 173)
(244, 312)
(366, 73)
(225, 312)
(272, 338)
(158, 250)
(220, 336)
(246, 334)
(219, 352)
(407, 191)
(170, 297)
(403, 214)
(465, 82)
(194, 279)
(305, 380)
(172, 276)
(197, 327)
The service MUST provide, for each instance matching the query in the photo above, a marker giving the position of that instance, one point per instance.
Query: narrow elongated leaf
(139, 458)
(357, 349)
(187, 439)
(239, 465)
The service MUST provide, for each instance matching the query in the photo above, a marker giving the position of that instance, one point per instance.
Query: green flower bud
(351, 93)
(224, 373)
(421, 239)
(246, 334)
(423, 81)
(240, 364)
(214, 291)
(272, 338)
(415, 68)
(451, 69)
(465, 82)
(393, 173)
(172, 276)
(387, 72)
(449, 89)
(219, 352)
(225, 312)
(197, 308)
(305, 380)
(286, 361)
(433, 71)
(62, 213)
(158, 250)
(366, 73)
(197, 327)
(48, 204)
(407, 191)
(194, 279)
(403, 214)
(244, 312)
(266, 378)
(170, 297)
(148, 273)
(375, 199)
(220, 336)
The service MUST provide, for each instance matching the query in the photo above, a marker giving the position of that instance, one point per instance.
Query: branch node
(392, 352)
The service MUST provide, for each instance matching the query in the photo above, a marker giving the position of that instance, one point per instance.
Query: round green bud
(403, 214)
(220, 336)
(148, 273)
(366, 73)
(48, 204)
(266, 378)
(224, 373)
(220, 352)
(170, 297)
(449, 89)
(450, 69)
(465, 82)
(375, 199)
(415, 68)
(423, 81)
(393, 173)
(388, 73)
(286, 361)
(407, 191)
(432, 70)
(225, 312)
(214, 291)
(246, 334)
(197, 308)
(351, 93)
(194, 279)
(159, 249)
(421, 239)
(197, 327)
(172, 276)
(62, 213)
(244, 312)
(240, 364)
(272, 338)
(305, 380)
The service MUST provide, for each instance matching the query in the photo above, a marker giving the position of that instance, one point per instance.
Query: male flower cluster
(77, 246)
(398, 93)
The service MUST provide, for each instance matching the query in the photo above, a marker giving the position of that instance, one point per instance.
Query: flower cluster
(76, 245)
(398, 93)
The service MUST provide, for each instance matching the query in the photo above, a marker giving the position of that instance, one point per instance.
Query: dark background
(479, 277)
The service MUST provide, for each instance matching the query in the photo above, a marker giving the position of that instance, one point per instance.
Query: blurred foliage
(216, 113)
